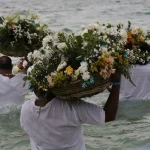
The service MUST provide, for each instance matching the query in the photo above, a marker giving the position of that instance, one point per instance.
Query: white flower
(139, 29)
(62, 46)
(2, 25)
(91, 27)
(105, 37)
(29, 56)
(30, 69)
(96, 51)
(84, 67)
(53, 73)
(104, 49)
(85, 43)
(103, 29)
(15, 70)
(1, 54)
(84, 31)
(61, 66)
(123, 34)
(38, 28)
(148, 58)
(148, 42)
(36, 54)
(94, 26)
(121, 23)
(25, 63)
(46, 40)
(144, 32)
(86, 76)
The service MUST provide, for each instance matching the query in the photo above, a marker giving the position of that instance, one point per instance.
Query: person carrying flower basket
(65, 69)
(55, 124)
(140, 75)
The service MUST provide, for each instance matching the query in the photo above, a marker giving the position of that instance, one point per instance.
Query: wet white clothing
(12, 91)
(141, 78)
(58, 127)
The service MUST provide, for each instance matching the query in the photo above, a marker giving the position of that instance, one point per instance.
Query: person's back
(12, 89)
(57, 126)
(141, 78)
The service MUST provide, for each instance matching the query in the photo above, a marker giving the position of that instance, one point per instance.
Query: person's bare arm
(111, 105)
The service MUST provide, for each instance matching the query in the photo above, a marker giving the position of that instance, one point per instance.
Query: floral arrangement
(138, 42)
(64, 58)
(20, 35)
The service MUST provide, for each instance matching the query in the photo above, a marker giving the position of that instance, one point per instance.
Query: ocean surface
(131, 130)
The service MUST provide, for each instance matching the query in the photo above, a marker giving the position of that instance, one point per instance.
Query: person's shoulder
(20, 75)
(85, 104)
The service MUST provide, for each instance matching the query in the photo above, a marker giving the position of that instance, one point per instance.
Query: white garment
(141, 78)
(59, 125)
(12, 90)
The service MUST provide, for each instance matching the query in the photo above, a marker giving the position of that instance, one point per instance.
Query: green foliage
(21, 35)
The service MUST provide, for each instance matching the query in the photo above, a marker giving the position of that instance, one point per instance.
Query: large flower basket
(75, 90)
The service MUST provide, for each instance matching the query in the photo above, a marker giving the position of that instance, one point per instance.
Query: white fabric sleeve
(90, 113)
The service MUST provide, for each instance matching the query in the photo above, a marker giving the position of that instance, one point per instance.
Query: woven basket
(75, 89)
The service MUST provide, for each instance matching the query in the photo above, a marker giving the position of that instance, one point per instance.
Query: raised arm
(111, 105)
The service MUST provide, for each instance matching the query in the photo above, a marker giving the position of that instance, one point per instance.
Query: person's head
(43, 94)
(5, 63)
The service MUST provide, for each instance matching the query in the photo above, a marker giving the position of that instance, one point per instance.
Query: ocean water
(131, 130)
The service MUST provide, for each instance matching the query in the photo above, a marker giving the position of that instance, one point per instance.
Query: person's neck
(7, 72)
(41, 102)
(4, 71)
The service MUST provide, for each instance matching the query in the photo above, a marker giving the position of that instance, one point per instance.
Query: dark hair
(42, 94)
(5, 63)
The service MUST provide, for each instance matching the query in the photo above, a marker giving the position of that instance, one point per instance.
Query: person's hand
(109, 87)
(116, 76)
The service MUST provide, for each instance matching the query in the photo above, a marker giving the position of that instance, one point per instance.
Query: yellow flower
(69, 70)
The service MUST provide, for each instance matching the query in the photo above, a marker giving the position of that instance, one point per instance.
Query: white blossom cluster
(44, 52)
(105, 32)
(83, 69)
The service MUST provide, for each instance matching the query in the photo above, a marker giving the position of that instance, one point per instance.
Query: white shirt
(12, 90)
(59, 125)
(141, 78)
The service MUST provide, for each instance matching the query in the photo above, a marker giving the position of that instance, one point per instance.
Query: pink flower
(104, 73)
(134, 31)
(11, 27)
(110, 60)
